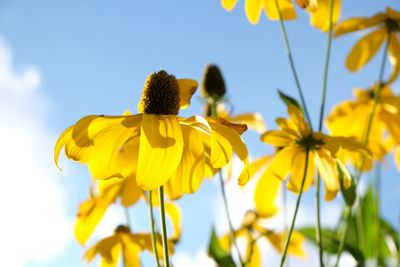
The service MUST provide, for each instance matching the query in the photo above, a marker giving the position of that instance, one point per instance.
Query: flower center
(392, 25)
(160, 94)
(122, 229)
(213, 83)
(310, 142)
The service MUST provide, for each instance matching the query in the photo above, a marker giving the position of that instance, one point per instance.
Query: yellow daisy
(91, 211)
(123, 243)
(294, 139)
(156, 145)
(350, 119)
(384, 26)
(252, 232)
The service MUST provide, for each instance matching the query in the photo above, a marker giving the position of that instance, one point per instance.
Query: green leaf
(288, 100)
(220, 255)
(349, 194)
(330, 243)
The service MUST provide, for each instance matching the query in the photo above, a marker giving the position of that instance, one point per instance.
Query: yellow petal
(295, 245)
(365, 49)
(298, 170)
(282, 162)
(108, 248)
(286, 7)
(253, 10)
(90, 213)
(277, 138)
(397, 157)
(160, 150)
(358, 24)
(257, 164)
(187, 87)
(253, 251)
(130, 252)
(190, 173)
(130, 192)
(394, 57)
(228, 5)
(266, 193)
(175, 216)
(393, 14)
(319, 17)
(327, 168)
(253, 120)
(62, 140)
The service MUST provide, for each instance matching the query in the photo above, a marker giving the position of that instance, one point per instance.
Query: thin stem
(321, 117)
(378, 219)
(232, 234)
(228, 216)
(295, 211)
(153, 229)
(163, 226)
(291, 61)
(128, 218)
(359, 223)
(346, 219)
(285, 215)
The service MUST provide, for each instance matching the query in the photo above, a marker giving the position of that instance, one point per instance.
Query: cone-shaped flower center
(160, 94)
(310, 142)
(213, 83)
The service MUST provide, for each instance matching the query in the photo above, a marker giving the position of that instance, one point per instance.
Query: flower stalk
(163, 226)
(153, 229)
(295, 211)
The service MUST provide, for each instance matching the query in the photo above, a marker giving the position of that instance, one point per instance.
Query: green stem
(359, 223)
(291, 62)
(295, 211)
(153, 229)
(378, 219)
(321, 117)
(232, 234)
(346, 219)
(285, 215)
(163, 226)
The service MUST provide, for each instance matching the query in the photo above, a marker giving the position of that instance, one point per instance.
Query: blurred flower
(91, 211)
(123, 243)
(253, 9)
(385, 26)
(350, 119)
(252, 231)
(319, 12)
(294, 139)
(156, 146)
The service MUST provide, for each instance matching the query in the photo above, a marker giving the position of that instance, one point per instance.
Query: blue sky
(92, 57)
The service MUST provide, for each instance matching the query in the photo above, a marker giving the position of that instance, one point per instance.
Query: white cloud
(200, 260)
(33, 224)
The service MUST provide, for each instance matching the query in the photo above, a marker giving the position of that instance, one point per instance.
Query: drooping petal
(62, 140)
(319, 18)
(130, 192)
(190, 172)
(283, 161)
(160, 150)
(358, 24)
(144, 241)
(253, 10)
(175, 216)
(327, 168)
(228, 5)
(187, 87)
(365, 49)
(286, 7)
(130, 252)
(298, 172)
(394, 57)
(266, 193)
(393, 14)
(253, 120)
(295, 245)
(253, 256)
(260, 163)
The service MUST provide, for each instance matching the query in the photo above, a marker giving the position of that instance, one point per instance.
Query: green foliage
(222, 257)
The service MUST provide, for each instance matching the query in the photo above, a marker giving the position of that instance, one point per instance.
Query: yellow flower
(319, 12)
(253, 9)
(127, 191)
(350, 119)
(385, 26)
(252, 231)
(123, 243)
(294, 139)
(156, 146)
